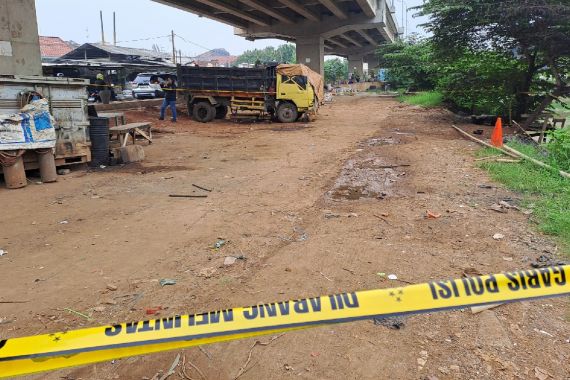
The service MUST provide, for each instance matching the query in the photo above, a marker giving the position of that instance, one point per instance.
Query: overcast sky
(142, 23)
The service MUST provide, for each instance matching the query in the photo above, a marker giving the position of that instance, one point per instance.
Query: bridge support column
(311, 52)
(356, 65)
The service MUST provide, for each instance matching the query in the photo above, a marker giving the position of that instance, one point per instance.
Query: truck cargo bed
(226, 79)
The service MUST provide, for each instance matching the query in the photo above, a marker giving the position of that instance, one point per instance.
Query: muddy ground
(312, 208)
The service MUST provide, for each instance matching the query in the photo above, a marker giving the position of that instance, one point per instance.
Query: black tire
(287, 112)
(221, 112)
(203, 112)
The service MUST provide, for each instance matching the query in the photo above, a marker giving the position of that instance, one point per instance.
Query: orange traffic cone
(497, 135)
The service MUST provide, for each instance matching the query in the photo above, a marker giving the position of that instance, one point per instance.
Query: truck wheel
(221, 112)
(287, 112)
(203, 112)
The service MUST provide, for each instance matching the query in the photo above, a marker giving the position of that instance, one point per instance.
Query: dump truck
(285, 92)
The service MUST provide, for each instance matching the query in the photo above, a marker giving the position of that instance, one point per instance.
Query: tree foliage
(336, 69)
(285, 53)
(534, 32)
(410, 64)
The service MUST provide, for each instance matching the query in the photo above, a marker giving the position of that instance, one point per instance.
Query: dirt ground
(314, 208)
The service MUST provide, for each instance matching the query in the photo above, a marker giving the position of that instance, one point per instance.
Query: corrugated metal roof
(131, 51)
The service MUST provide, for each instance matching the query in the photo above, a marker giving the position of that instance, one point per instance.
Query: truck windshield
(301, 81)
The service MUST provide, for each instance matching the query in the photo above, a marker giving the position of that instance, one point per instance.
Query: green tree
(336, 69)
(285, 53)
(410, 64)
(534, 32)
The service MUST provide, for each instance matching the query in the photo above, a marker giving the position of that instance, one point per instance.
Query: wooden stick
(483, 142)
(201, 188)
(536, 162)
(186, 196)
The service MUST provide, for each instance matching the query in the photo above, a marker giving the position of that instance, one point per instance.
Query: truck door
(294, 88)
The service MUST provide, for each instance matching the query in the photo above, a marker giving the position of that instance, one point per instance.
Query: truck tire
(203, 112)
(287, 112)
(221, 112)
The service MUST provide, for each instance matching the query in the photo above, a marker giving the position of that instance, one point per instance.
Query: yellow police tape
(34, 354)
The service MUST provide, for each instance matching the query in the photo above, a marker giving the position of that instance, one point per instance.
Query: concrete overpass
(348, 28)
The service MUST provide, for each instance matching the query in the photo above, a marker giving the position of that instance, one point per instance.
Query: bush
(424, 99)
(559, 148)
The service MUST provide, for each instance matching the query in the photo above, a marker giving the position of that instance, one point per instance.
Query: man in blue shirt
(169, 88)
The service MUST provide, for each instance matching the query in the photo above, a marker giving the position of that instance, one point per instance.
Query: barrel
(99, 135)
(46, 161)
(15, 174)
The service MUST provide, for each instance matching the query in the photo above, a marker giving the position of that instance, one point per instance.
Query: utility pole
(114, 31)
(102, 28)
(173, 49)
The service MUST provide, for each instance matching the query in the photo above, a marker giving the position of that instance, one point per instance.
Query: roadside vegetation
(545, 192)
(426, 99)
(507, 58)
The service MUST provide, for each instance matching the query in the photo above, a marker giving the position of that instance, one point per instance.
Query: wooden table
(118, 116)
(123, 132)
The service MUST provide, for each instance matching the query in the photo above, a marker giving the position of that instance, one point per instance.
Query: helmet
(100, 76)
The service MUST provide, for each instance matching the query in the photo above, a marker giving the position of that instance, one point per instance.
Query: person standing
(169, 88)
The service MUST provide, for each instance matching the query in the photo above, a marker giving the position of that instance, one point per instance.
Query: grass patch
(545, 192)
(424, 99)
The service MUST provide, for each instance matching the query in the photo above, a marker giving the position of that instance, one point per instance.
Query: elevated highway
(348, 28)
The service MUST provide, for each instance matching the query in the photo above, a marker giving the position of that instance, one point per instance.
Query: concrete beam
(235, 11)
(258, 5)
(201, 12)
(366, 36)
(356, 65)
(300, 9)
(337, 43)
(331, 6)
(367, 7)
(351, 40)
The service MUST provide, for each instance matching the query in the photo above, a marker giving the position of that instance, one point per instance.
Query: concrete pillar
(356, 65)
(311, 52)
(19, 41)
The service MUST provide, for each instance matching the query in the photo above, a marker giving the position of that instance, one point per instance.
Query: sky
(142, 23)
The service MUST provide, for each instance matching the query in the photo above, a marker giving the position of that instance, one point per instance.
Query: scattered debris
(329, 214)
(422, 360)
(546, 260)
(2, 252)
(541, 374)
(108, 302)
(64, 222)
(322, 274)
(508, 258)
(219, 243)
(230, 260)
(478, 309)
(498, 236)
(112, 287)
(243, 370)
(544, 333)
(207, 272)
(498, 208)
(302, 235)
(288, 367)
(63, 171)
(432, 215)
(193, 366)
(99, 309)
(208, 355)
(381, 274)
(153, 310)
(186, 196)
(167, 281)
(171, 371)
(202, 188)
(392, 277)
(471, 272)
(395, 323)
(483, 186)
(382, 218)
(71, 311)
